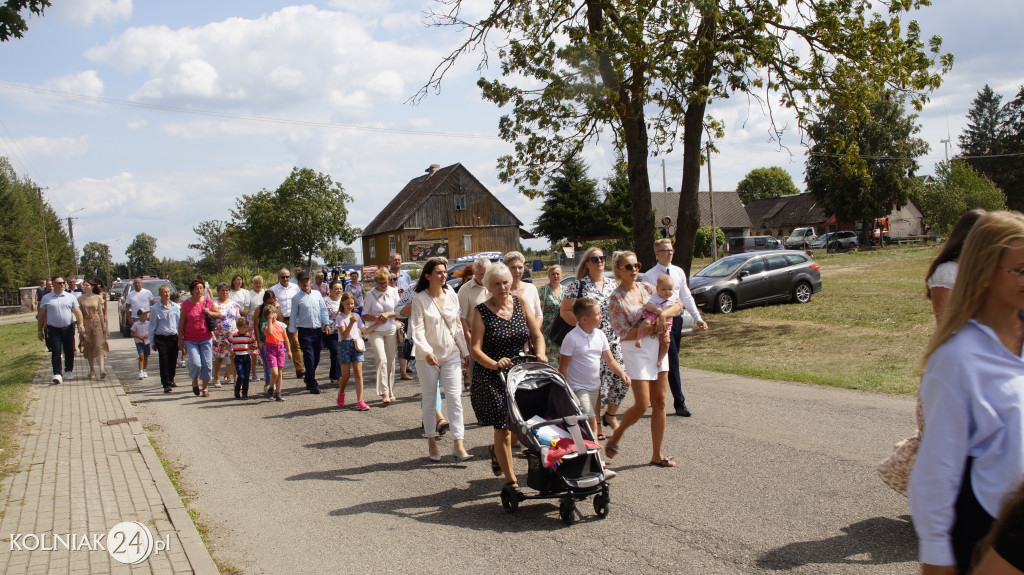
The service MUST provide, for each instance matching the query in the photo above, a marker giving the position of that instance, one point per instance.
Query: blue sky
(342, 62)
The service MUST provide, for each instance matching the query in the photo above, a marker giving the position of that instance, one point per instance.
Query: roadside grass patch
(865, 330)
(20, 356)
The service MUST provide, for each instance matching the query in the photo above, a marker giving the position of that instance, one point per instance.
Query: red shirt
(195, 320)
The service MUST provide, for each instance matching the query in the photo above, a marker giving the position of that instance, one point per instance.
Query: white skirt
(641, 363)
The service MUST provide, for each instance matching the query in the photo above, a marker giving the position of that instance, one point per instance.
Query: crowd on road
(607, 336)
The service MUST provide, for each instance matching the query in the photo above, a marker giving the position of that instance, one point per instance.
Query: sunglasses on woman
(596, 259)
(631, 267)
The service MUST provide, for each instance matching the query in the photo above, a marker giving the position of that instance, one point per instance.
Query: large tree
(216, 244)
(862, 162)
(22, 249)
(95, 260)
(572, 209)
(141, 254)
(644, 69)
(993, 142)
(306, 214)
(12, 22)
(957, 188)
(761, 183)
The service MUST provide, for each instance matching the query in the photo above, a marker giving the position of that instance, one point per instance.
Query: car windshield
(721, 268)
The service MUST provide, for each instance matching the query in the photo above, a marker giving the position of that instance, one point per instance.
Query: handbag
(895, 470)
(559, 329)
(211, 322)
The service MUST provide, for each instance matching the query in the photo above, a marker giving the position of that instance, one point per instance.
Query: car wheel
(802, 292)
(725, 302)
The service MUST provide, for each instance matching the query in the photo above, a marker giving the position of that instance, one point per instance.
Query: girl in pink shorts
(275, 350)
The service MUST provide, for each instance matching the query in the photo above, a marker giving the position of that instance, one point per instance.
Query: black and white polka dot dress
(502, 338)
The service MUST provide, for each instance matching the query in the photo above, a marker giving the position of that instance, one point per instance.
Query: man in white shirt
(139, 298)
(395, 266)
(472, 294)
(58, 314)
(663, 251)
(285, 290)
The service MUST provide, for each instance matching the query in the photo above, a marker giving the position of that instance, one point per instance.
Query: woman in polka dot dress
(501, 326)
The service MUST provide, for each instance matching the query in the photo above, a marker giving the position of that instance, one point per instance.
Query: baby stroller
(570, 470)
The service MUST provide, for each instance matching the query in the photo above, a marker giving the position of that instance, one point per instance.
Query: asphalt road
(771, 477)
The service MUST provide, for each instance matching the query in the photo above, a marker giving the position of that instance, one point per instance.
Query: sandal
(611, 449)
(442, 426)
(195, 390)
(206, 393)
(664, 462)
(495, 466)
(601, 437)
(615, 421)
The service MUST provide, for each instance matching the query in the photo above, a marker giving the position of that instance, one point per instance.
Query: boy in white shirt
(140, 333)
(582, 351)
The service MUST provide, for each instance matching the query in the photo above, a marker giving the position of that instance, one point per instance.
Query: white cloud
(87, 83)
(41, 150)
(136, 124)
(85, 12)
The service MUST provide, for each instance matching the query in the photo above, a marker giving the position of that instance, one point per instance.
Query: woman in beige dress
(94, 315)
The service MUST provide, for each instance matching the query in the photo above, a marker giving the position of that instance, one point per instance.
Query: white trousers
(384, 344)
(450, 373)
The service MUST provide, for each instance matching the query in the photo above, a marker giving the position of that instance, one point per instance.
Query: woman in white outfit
(942, 273)
(526, 291)
(441, 351)
(379, 308)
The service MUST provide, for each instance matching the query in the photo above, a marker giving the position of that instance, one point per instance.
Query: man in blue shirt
(58, 312)
(163, 332)
(310, 319)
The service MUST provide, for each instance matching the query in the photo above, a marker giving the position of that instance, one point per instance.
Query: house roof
(784, 211)
(729, 212)
(412, 196)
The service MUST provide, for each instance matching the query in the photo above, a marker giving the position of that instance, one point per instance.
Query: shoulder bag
(211, 322)
(895, 470)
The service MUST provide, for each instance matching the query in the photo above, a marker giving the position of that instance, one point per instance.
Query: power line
(246, 117)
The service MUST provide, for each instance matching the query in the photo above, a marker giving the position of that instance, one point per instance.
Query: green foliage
(769, 182)
(95, 257)
(572, 209)
(862, 161)
(216, 244)
(702, 245)
(958, 188)
(574, 69)
(992, 137)
(618, 203)
(300, 219)
(22, 259)
(338, 255)
(141, 255)
(12, 22)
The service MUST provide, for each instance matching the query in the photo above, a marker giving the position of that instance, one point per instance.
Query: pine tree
(572, 209)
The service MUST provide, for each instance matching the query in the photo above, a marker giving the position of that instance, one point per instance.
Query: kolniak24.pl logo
(128, 542)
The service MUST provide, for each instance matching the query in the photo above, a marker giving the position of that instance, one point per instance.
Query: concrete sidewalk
(85, 465)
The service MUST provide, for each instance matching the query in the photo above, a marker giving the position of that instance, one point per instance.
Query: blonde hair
(499, 270)
(257, 277)
(581, 270)
(618, 259)
(988, 240)
(513, 257)
(271, 308)
(661, 241)
(383, 274)
(554, 267)
(666, 280)
(346, 296)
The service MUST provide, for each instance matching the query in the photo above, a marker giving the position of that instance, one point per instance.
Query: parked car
(799, 239)
(743, 244)
(117, 288)
(153, 285)
(742, 280)
(835, 241)
(413, 269)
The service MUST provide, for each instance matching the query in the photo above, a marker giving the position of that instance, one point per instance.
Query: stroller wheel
(567, 511)
(509, 499)
(601, 501)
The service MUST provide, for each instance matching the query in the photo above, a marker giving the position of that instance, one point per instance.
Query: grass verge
(866, 329)
(20, 355)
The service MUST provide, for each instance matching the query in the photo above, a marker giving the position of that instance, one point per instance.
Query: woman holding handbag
(198, 320)
(551, 303)
(379, 309)
(441, 351)
(972, 395)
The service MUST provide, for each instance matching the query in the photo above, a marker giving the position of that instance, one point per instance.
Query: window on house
(467, 243)
(391, 245)
(373, 249)
(460, 202)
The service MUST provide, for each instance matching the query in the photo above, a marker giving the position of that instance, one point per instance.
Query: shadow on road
(875, 541)
(366, 440)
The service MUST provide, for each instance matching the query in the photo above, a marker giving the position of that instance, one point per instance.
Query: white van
(799, 239)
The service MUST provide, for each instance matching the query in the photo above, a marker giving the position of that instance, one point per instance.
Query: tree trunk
(635, 131)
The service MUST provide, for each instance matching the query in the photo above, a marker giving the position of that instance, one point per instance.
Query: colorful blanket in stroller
(563, 447)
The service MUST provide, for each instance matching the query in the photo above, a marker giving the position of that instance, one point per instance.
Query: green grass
(20, 355)
(865, 330)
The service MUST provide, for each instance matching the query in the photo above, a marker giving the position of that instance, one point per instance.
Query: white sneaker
(56, 378)
(144, 374)
(68, 376)
(141, 374)
(608, 474)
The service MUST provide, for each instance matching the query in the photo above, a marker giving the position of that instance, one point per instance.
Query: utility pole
(664, 182)
(71, 234)
(711, 201)
(42, 221)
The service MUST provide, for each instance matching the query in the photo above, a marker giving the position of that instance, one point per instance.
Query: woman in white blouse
(971, 455)
(255, 298)
(526, 291)
(379, 308)
(942, 273)
(441, 351)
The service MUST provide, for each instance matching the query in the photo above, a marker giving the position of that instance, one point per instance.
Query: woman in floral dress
(229, 314)
(551, 304)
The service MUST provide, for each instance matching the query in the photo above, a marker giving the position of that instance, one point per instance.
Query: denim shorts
(347, 352)
(142, 348)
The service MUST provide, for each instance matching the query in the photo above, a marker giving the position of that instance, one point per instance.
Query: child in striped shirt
(240, 344)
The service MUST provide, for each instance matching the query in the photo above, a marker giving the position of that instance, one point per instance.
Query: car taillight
(815, 267)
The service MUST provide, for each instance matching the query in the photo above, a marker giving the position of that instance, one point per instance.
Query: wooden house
(730, 216)
(446, 212)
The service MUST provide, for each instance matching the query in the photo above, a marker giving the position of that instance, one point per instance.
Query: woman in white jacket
(441, 351)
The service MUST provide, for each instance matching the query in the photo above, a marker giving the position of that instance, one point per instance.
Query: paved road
(772, 477)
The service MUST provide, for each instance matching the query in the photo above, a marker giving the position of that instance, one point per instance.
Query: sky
(130, 114)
